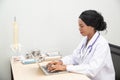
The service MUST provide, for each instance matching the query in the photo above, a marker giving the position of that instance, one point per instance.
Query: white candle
(15, 34)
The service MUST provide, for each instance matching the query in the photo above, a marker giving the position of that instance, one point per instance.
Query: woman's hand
(54, 63)
(57, 67)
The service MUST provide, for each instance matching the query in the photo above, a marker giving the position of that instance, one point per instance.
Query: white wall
(50, 25)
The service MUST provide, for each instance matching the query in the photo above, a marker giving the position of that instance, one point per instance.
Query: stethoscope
(88, 50)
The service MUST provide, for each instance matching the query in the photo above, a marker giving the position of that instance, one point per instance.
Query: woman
(92, 57)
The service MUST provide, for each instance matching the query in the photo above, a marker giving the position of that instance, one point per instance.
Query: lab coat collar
(92, 39)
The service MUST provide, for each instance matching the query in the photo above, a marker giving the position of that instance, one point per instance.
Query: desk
(33, 72)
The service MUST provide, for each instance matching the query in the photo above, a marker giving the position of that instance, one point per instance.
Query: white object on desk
(17, 58)
(51, 54)
(52, 58)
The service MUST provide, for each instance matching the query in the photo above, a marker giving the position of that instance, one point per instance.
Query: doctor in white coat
(92, 57)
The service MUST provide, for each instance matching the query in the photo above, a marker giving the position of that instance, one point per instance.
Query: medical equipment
(84, 54)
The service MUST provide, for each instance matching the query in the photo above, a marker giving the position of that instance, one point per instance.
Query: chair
(115, 51)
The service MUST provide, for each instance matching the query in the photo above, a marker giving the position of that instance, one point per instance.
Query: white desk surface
(32, 72)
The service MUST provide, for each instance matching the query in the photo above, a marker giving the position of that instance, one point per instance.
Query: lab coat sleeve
(94, 65)
(67, 60)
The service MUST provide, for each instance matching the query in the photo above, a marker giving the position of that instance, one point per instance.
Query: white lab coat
(97, 64)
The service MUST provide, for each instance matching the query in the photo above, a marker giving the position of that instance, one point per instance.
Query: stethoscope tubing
(83, 55)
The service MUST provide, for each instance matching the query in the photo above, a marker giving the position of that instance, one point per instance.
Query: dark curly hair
(94, 19)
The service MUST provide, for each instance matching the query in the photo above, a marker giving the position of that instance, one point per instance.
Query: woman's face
(84, 29)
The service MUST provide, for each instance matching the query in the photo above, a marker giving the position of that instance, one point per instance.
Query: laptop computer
(46, 72)
(44, 67)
